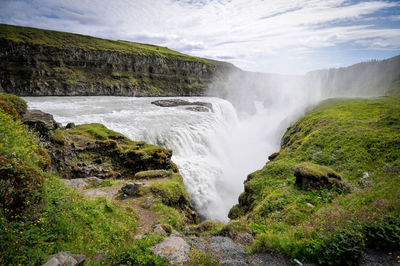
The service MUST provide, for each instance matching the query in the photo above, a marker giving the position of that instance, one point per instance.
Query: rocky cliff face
(30, 68)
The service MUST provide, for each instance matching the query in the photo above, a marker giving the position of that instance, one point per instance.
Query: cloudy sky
(277, 36)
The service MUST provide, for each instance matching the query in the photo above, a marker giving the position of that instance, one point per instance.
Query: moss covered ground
(360, 140)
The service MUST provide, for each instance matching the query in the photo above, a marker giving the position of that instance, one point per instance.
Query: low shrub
(136, 253)
(21, 163)
(200, 258)
(64, 221)
(16, 102)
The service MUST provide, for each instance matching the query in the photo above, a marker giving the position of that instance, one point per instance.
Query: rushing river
(214, 151)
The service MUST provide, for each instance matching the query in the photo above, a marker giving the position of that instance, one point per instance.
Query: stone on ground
(174, 249)
(65, 258)
(131, 189)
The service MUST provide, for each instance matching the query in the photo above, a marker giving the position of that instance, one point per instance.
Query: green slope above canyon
(332, 190)
(42, 62)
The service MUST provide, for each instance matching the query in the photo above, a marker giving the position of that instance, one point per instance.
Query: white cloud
(241, 31)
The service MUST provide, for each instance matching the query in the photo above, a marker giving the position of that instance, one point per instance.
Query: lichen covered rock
(174, 249)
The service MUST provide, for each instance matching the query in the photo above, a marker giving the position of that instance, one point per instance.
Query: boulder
(131, 189)
(170, 102)
(222, 249)
(273, 156)
(174, 249)
(228, 252)
(40, 122)
(310, 176)
(179, 102)
(65, 258)
(70, 125)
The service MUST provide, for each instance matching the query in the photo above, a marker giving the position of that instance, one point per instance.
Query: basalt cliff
(35, 62)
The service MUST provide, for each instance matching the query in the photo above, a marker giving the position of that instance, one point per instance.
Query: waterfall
(200, 141)
(214, 151)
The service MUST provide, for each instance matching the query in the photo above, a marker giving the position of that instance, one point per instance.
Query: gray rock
(176, 233)
(228, 252)
(379, 258)
(174, 249)
(147, 202)
(70, 125)
(243, 238)
(170, 102)
(65, 258)
(158, 229)
(131, 189)
(40, 121)
(222, 249)
(198, 243)
(60, 261)
(179, 102)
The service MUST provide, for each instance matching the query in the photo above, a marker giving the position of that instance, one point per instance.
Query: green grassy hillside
(359, 140)
(40, 215)
(65, 40)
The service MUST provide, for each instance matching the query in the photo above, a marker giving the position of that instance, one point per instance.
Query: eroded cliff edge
(39, 62)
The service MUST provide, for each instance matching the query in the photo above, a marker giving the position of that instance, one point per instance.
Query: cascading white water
(198, 139)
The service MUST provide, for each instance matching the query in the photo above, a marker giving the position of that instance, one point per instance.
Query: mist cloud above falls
(267, 104)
